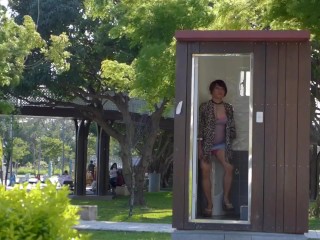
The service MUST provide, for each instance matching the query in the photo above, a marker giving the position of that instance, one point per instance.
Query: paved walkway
(147, 227)
(125, 226)
(315, 234)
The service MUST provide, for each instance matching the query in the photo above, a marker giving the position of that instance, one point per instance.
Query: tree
(16, 44)
(162, 157)
(7, 128)
(44, 137)
(126, 54)
(20, 150)
(92, 146)
(149, 26)
(284, 14)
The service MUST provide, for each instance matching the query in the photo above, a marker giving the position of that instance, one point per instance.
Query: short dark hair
(220, 83)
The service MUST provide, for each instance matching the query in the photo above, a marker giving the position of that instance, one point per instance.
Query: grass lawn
(314, 223)
(102, 235)
(158, 209)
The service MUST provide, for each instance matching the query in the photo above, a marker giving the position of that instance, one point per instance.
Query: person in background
(120, 178)
(91, 168)
(65, 177)
(113, 177)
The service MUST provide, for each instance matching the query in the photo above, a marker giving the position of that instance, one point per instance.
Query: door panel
(243, 70)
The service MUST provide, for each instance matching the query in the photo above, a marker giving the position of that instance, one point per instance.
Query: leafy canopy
(150, 26)
(18, 42)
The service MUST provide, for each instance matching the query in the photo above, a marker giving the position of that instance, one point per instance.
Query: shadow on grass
(157, 210)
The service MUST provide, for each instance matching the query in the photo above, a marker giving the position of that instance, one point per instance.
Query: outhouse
(268, 75)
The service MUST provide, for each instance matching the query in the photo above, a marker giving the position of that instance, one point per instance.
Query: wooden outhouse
(268, 75)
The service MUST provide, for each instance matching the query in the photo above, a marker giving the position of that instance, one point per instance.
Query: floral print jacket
(207, 123)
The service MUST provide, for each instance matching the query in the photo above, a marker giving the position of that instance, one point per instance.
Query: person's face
(218, 92)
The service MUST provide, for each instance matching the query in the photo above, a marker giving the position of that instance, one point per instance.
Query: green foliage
(1, 152)
(57, 53)
(297, 14)
(114, 147)
(116, 76)
(5, 107)
(38, 214)
(45, 135)
(61, 13)
(314, 223)
(151, 26)
(155, 69)
(34, 170)
(240, 14)
(16, 43)
(51, 147)
(267, 14)
(20, 149)
(92, 145)
(314, 209)
(148, 22)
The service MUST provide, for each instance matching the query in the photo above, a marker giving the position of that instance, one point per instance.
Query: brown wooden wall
(280, 167)
(287, 111)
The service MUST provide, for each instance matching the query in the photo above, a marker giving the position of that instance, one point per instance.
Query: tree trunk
(125, 154)
(135, 131)
(139, 190)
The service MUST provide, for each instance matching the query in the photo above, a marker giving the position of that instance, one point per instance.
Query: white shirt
(113, 173)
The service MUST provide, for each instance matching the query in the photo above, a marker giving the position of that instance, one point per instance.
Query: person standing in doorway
(216, 132)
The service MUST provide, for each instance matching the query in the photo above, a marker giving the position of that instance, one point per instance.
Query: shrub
(314, 209)
(37, 214)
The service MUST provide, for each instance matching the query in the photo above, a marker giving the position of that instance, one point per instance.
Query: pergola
(82, 125)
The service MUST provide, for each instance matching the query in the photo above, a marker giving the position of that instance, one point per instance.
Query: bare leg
(206, 181)
(228, 174)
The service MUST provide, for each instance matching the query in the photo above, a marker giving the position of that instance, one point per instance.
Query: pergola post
(82, 131)
(103, 162)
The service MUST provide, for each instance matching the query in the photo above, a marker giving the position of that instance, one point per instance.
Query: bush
(25, 170)
(37, 214)
(314, 209)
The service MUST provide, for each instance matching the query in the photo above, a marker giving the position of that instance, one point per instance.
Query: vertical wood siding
(271, 113)
(259, 70)
(303, 140)
(286, 160)
(281, 84)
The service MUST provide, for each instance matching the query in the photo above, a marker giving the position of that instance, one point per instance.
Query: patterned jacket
(207, 124)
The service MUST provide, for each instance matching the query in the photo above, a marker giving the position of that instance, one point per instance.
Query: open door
(242, 71)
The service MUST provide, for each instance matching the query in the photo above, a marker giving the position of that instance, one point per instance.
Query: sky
(4, 2)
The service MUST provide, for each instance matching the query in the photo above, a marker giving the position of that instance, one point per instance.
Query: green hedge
(39, 214)
(25, 170)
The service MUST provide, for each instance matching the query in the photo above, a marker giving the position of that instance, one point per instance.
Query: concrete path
(124, 226)
(315, 234)
(147, 227)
